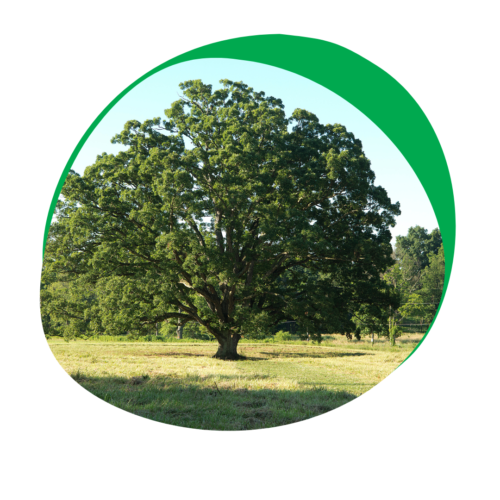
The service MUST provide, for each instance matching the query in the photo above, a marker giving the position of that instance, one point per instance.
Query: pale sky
(152, 96)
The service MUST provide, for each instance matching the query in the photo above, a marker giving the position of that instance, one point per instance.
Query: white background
(430, 430)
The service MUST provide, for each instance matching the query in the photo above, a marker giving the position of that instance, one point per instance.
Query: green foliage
(417, 307)
(412, 253)
(433, 280)
(417, 278)
(67, 308)
(419, 245)
(227, 215)
(394, 332)
(282, 336)
(370, 320)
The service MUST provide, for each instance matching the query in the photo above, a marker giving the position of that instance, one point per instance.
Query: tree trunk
(179, 330)
(179, 327)
(228, 347)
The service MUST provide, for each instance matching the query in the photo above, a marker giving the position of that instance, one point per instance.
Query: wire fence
(408, 324)
(405, 326)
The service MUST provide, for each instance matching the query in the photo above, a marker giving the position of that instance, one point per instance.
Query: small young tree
(416, 307)
(370, 320)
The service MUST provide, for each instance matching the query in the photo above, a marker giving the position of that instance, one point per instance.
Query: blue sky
(151, 97)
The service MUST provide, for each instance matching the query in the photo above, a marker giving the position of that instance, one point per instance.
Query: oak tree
(227, 213)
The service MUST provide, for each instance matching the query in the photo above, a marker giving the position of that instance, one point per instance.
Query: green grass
(277, 384)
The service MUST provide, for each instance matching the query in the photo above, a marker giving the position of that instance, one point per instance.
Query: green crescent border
(363, 84)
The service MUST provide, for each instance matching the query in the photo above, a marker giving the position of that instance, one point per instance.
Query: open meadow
(179, 383)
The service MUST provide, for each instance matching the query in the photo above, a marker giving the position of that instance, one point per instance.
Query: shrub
(394, 332)
(282, 336)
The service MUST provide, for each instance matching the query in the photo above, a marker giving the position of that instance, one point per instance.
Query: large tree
(229, 214)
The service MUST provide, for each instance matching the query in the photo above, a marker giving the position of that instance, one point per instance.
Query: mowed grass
(277, 384)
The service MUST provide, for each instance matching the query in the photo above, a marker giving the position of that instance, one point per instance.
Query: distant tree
(416, 307)
(370, 321)
(433, 280)
(417, 286)
(404, 276)
(412, 254)
(227, 214)
(67, 308)
(418, 245)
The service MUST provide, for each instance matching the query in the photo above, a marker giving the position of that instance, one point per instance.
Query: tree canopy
(418, 245)
(433, 280)
(413, 254)
(227, 213)
(417, 276)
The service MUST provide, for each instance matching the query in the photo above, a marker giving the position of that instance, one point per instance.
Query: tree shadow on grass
(202, 403)
(267, 355)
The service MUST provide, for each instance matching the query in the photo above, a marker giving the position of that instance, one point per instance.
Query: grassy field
(278, 384)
